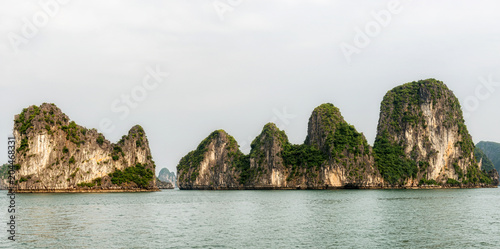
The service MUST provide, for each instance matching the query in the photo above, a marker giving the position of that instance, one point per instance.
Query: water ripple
(260, 219)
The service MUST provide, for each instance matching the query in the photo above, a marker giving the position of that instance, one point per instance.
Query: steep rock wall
(267, 169)
(213, 165)
(422, 138)
(166, 176)
(335, 155)
(349, 160)
(486, 165)
(55, 154)
(492, 151)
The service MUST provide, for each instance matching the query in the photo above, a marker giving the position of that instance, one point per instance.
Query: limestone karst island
(422, 142)
(55, 154)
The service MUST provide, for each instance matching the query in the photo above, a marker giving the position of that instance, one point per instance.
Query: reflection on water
(458, 218)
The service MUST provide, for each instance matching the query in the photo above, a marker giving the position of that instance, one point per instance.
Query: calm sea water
(455, 218)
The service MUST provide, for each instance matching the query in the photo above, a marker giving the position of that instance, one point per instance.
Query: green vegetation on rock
(242, 163)
(303, 156)
(86, 184)
(24, 145)
(391, 160)
(487, 165)
(194, 158)
(402, 110)
(428, 182)
(452, 182)
(100, 139)
(23, 123)
(492, 151)
(340, 136)
(347, 138)
(25, 118)
(295, 156)
(117, 151)
(402, 103)
(330, 117)
(95, 182)
(4, 171)
(475, 175)
(269, 132)
(74, 133)
(138, 174)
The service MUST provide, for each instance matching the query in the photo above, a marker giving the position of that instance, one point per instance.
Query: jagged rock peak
(422, 138)
(338, 157)
(267, 169)
(56, 154)
(215, 164)
(329, 132)
(270, 134)
(166, 176)
(323, 121)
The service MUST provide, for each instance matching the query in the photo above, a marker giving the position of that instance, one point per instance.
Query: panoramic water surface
(453, 218)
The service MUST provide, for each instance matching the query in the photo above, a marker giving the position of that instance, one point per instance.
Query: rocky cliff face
(335, 155)
(267, 169)
(349, 160)
(492, 151)
(56, 154)
(422, 138)
(164, 185)
(486, 165)
(483, 161)
(422, 141)
(166, 176)
(4, 176)
(215, 164)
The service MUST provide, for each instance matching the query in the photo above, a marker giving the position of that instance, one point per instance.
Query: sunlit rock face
(54, 154)
(334, 155)
(422, 138)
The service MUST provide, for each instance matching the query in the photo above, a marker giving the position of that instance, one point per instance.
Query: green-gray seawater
(451, 218)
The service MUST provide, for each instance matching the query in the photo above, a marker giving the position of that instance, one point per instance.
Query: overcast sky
(238, 64)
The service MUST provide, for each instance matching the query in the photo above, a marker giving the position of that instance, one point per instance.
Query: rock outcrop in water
(421, 142)
(216, 164)
(166, 176)
(492, 151)
(349, 159)
(164, 185)
(334, 155)
(4, 176)
(57, 155)
(486, 165)
(422, 138)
